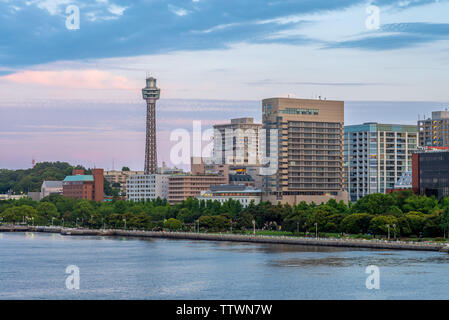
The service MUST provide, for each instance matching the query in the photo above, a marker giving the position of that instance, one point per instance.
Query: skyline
(79, 96)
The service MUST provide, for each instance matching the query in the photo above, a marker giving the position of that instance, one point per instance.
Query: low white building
(147, 186)
(223, 193)
(51, 187)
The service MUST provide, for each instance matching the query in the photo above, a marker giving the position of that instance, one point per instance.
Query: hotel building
(309, 150)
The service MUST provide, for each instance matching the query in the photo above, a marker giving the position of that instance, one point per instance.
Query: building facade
(146, 187)
(120, 177)
(434, 131)
(50, 187)
(430, 173)
(237, 143)
(240, 193)
(81, 186)
(308, 150)
(181, 187)
(376, 156)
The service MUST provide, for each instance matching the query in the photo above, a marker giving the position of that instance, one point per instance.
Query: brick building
(82, 186)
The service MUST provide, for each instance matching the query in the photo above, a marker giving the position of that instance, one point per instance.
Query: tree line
(30, 180)
(402, 213)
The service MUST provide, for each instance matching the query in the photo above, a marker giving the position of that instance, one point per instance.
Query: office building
(434, 131)
(146, 187)
(241, 193)
(376, 156)
(82, 186)
(307, 152)
(237, 143)
(430, 172)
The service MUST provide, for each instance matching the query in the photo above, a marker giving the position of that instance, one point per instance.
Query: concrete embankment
(351, 243)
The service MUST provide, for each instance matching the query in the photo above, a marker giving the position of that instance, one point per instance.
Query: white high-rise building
(147, 187)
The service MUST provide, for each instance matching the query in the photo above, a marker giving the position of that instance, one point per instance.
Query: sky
(71, 92)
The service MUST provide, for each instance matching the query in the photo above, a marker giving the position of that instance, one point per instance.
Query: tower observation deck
(150, 94)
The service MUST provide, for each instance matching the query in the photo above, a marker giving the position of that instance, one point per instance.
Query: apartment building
(434, 131)
(377, 156)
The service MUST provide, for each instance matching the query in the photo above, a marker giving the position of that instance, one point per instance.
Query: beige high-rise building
(309, 150)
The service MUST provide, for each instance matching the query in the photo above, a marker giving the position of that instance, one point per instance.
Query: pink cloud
(73, 79)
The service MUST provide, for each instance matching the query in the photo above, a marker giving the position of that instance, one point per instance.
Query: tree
(356, 223)
(125, 169)
(215, 223)
(244, 221)
(173, 224)
(379, 224)
(47, 210)
(415, 221)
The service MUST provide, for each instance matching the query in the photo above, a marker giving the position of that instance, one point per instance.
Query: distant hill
(30, 180)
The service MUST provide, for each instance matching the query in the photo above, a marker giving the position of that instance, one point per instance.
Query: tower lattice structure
(151, 94)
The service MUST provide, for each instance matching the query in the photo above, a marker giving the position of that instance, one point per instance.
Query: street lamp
(125, 222)
(297, 227)
(63, 222)
(394, 230)
(254, 226)
(305, 229)
(388, 226)
(316, 230)
(198, 222)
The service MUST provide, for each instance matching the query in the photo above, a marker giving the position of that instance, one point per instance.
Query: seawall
(348, 243)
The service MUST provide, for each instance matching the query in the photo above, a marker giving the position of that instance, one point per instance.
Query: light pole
(388, 226)
(305, 229)
(394, 230)
(197, 222)
(125, 222)
(297, 227)
(316, 230)
(63, 222)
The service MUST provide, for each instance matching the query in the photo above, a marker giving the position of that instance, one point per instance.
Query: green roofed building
(84, 186)
(79, 178)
